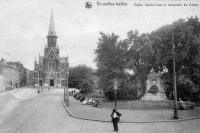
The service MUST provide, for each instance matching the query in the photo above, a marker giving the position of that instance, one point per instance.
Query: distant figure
(181, 103)
(38, 90)
(115, 119)
(180, 100)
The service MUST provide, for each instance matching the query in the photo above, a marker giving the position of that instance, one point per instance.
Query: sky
(24, 25)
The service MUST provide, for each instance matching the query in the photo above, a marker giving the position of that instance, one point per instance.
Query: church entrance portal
(40, 82)
(51, 82)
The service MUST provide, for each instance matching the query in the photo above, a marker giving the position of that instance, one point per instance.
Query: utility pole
(174, 78)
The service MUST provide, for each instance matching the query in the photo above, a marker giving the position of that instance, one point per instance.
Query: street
(26, 111)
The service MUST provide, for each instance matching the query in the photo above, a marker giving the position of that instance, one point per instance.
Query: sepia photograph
(100, 66)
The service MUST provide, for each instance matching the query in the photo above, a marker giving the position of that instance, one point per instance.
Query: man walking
(115, 119)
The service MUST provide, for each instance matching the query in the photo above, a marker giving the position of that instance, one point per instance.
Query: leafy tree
(82, 77)
(187, 45)
(111, 62)
(141, 55)
(154, 52)
(151, 52)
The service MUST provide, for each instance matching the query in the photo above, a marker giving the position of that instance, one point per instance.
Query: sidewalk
(128, 116)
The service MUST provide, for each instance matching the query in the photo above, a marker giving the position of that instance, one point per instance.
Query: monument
(154, 88)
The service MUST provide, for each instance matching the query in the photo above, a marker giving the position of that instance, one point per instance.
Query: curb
(82, 118)
(158, 121)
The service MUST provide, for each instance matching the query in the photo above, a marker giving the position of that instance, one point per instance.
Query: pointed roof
(41, 58)
(52, 50)
(52, 31)
(35, 60)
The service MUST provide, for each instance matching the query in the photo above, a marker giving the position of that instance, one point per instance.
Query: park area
(129, 114)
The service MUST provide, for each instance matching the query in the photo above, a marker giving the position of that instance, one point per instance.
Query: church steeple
(52, 31)
(52, 37)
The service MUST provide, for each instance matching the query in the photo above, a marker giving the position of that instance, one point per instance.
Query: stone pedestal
(152, 97)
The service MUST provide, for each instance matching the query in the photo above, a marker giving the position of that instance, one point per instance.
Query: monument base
(165, 104)
(140, 105)
(154, 101)
(154, 97)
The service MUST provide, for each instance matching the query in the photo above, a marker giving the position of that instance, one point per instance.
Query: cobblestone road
(29, 112)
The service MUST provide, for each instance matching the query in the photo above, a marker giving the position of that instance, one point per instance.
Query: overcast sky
(24, 25)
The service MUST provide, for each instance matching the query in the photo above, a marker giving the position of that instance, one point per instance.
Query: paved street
(25, 111)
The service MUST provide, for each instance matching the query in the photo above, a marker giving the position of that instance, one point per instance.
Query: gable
(52, 54)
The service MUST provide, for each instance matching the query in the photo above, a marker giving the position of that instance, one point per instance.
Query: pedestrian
(181, 104)
(115, 119)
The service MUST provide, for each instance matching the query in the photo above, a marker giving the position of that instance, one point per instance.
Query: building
(29, 77)
(51, 69)
(9, 76)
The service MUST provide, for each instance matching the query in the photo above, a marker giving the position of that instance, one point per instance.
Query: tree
(82, 77)
(151, 52)
(187, 45)
(141, 59)
(111, 62)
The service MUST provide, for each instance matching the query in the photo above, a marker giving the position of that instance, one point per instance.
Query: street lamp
(174, 77)
(115, 90)
(64, 94)
(67, 86)
(34, 79)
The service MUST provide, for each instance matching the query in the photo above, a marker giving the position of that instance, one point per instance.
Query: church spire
(52, 31)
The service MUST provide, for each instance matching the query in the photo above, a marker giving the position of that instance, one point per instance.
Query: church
(51, 69)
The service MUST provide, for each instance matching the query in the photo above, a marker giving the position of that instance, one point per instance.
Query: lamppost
(115, 90)
(67, 86)
(174, 78)
(34, 79)
(64, 93)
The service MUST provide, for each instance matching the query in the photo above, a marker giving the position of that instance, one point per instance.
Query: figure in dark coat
(115, 119)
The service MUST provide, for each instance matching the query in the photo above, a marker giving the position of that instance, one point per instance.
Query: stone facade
(9, 76)
(51, 69)
(29, 77)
